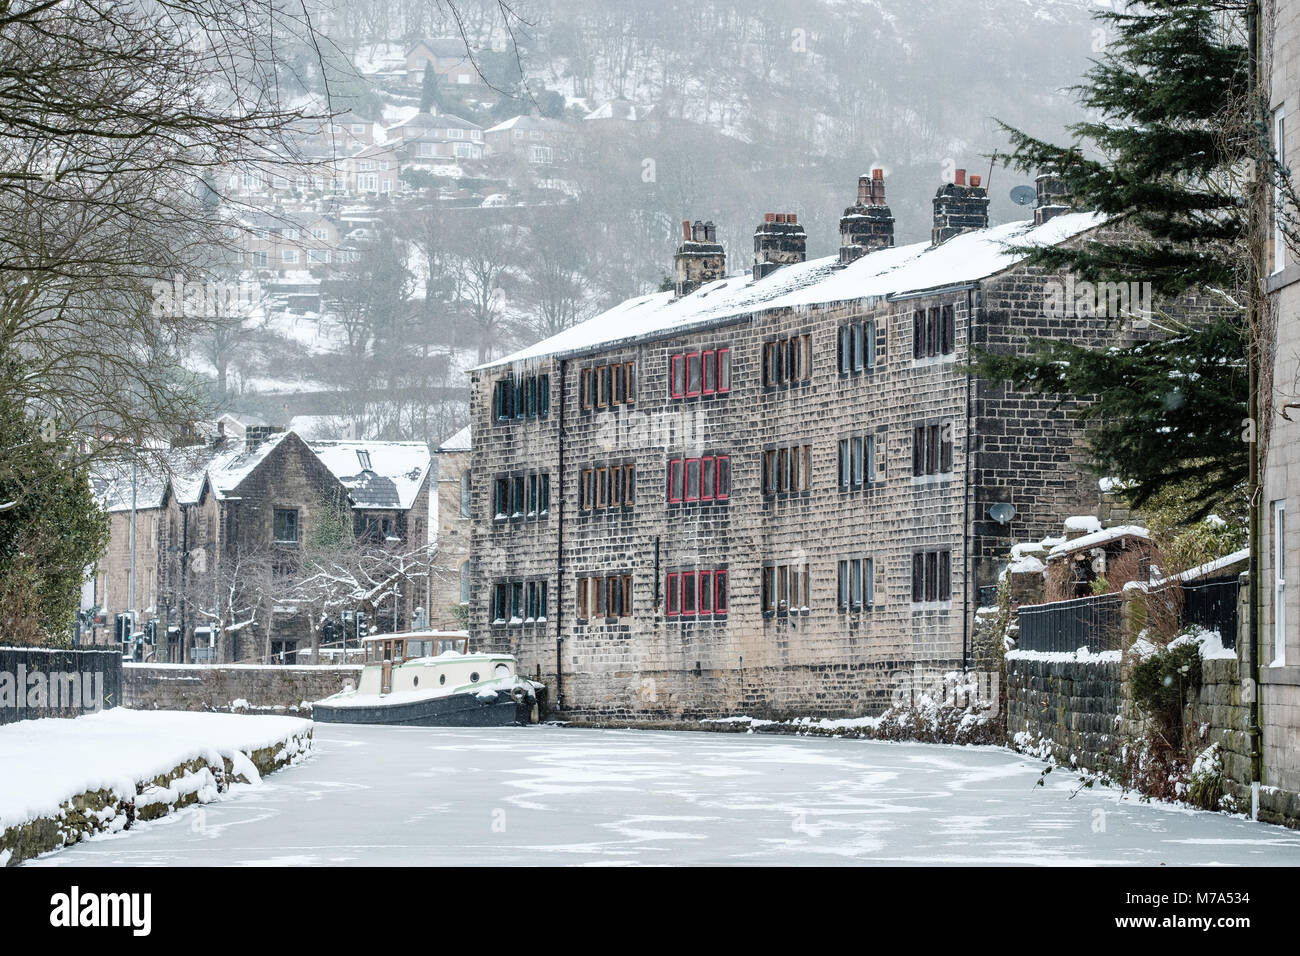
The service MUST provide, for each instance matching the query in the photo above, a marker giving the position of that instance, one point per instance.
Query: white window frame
(1279, 583)
(1279, 200)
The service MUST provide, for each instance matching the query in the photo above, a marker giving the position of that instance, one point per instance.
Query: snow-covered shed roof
(900, 270)
(377, 474)
(457, 442)
(1098, 539)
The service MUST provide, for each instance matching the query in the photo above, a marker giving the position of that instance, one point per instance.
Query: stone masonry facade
(993, 445)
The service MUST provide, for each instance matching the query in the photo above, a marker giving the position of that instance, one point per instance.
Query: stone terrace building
(770, 494)
(1277, 655)
(451, 563)
(258, 500)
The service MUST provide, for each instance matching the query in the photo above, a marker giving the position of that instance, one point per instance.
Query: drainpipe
(558, 510)
(1254, 730)
(966, 493)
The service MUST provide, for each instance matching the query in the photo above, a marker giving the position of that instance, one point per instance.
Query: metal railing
(1213, 605)
(1092, 622)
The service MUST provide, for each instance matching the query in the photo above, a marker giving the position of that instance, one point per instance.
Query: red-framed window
(710, 360)
(677, 377)
(675, 479)
(699, 479)
(694, 374)
(706, 592)
(696, 593)
(689, 594)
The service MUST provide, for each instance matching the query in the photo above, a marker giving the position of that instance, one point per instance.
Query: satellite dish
(1023, 195)
(1002, 511)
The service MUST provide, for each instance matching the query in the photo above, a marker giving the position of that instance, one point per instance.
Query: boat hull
(454, 710)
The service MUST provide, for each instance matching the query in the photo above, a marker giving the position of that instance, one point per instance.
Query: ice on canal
(550, 795)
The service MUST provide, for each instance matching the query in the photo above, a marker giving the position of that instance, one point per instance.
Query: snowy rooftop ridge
(900, 270)
(457, 442)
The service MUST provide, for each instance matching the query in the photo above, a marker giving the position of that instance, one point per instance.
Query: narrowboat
(430, 679)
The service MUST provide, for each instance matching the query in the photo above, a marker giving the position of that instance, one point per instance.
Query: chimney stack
(959, 207)
(699, 259)
(779, 241)
(867, 225)
(256, 435)
(1053, 198)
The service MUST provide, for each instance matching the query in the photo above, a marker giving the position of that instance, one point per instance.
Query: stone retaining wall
(241, 687)
(1074, 707)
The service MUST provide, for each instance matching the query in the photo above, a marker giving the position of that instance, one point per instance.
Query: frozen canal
(546, 795)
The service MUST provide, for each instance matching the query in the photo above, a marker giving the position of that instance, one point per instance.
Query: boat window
(442, 678)
(473, 677)
(501, 670)
(397, 650)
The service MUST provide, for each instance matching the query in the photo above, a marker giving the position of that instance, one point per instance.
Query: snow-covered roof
(1212, 568)
(530, 122)
(111, 483)
(377, 474)
(888, 272)
(457, 442)
(1099, 538)
(619, 110)
(228, 472)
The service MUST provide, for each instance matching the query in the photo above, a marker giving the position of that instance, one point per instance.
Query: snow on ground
(48, 761)
(551, 795)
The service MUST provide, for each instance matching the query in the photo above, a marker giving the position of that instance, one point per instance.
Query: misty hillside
(732, 110)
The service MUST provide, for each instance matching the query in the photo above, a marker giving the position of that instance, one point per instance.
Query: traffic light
(151, 633)
(361, 626)
(122, 628)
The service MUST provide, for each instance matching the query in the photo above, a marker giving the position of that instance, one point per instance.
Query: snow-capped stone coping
(66, 780)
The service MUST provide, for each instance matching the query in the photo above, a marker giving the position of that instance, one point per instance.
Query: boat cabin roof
(417, 635)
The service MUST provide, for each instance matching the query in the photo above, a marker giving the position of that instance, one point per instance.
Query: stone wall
(1079, 712)
(1074, 707)
(180, 687)
(1218, 716)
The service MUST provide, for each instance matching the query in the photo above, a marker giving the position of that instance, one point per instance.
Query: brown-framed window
(931, 576)
(602, 488)
(932, 449)
(629, 485)
(588, 488)
(586, 391)
(605, 394)
(629, 382)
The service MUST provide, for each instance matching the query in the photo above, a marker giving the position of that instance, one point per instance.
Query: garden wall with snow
(67, 780)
